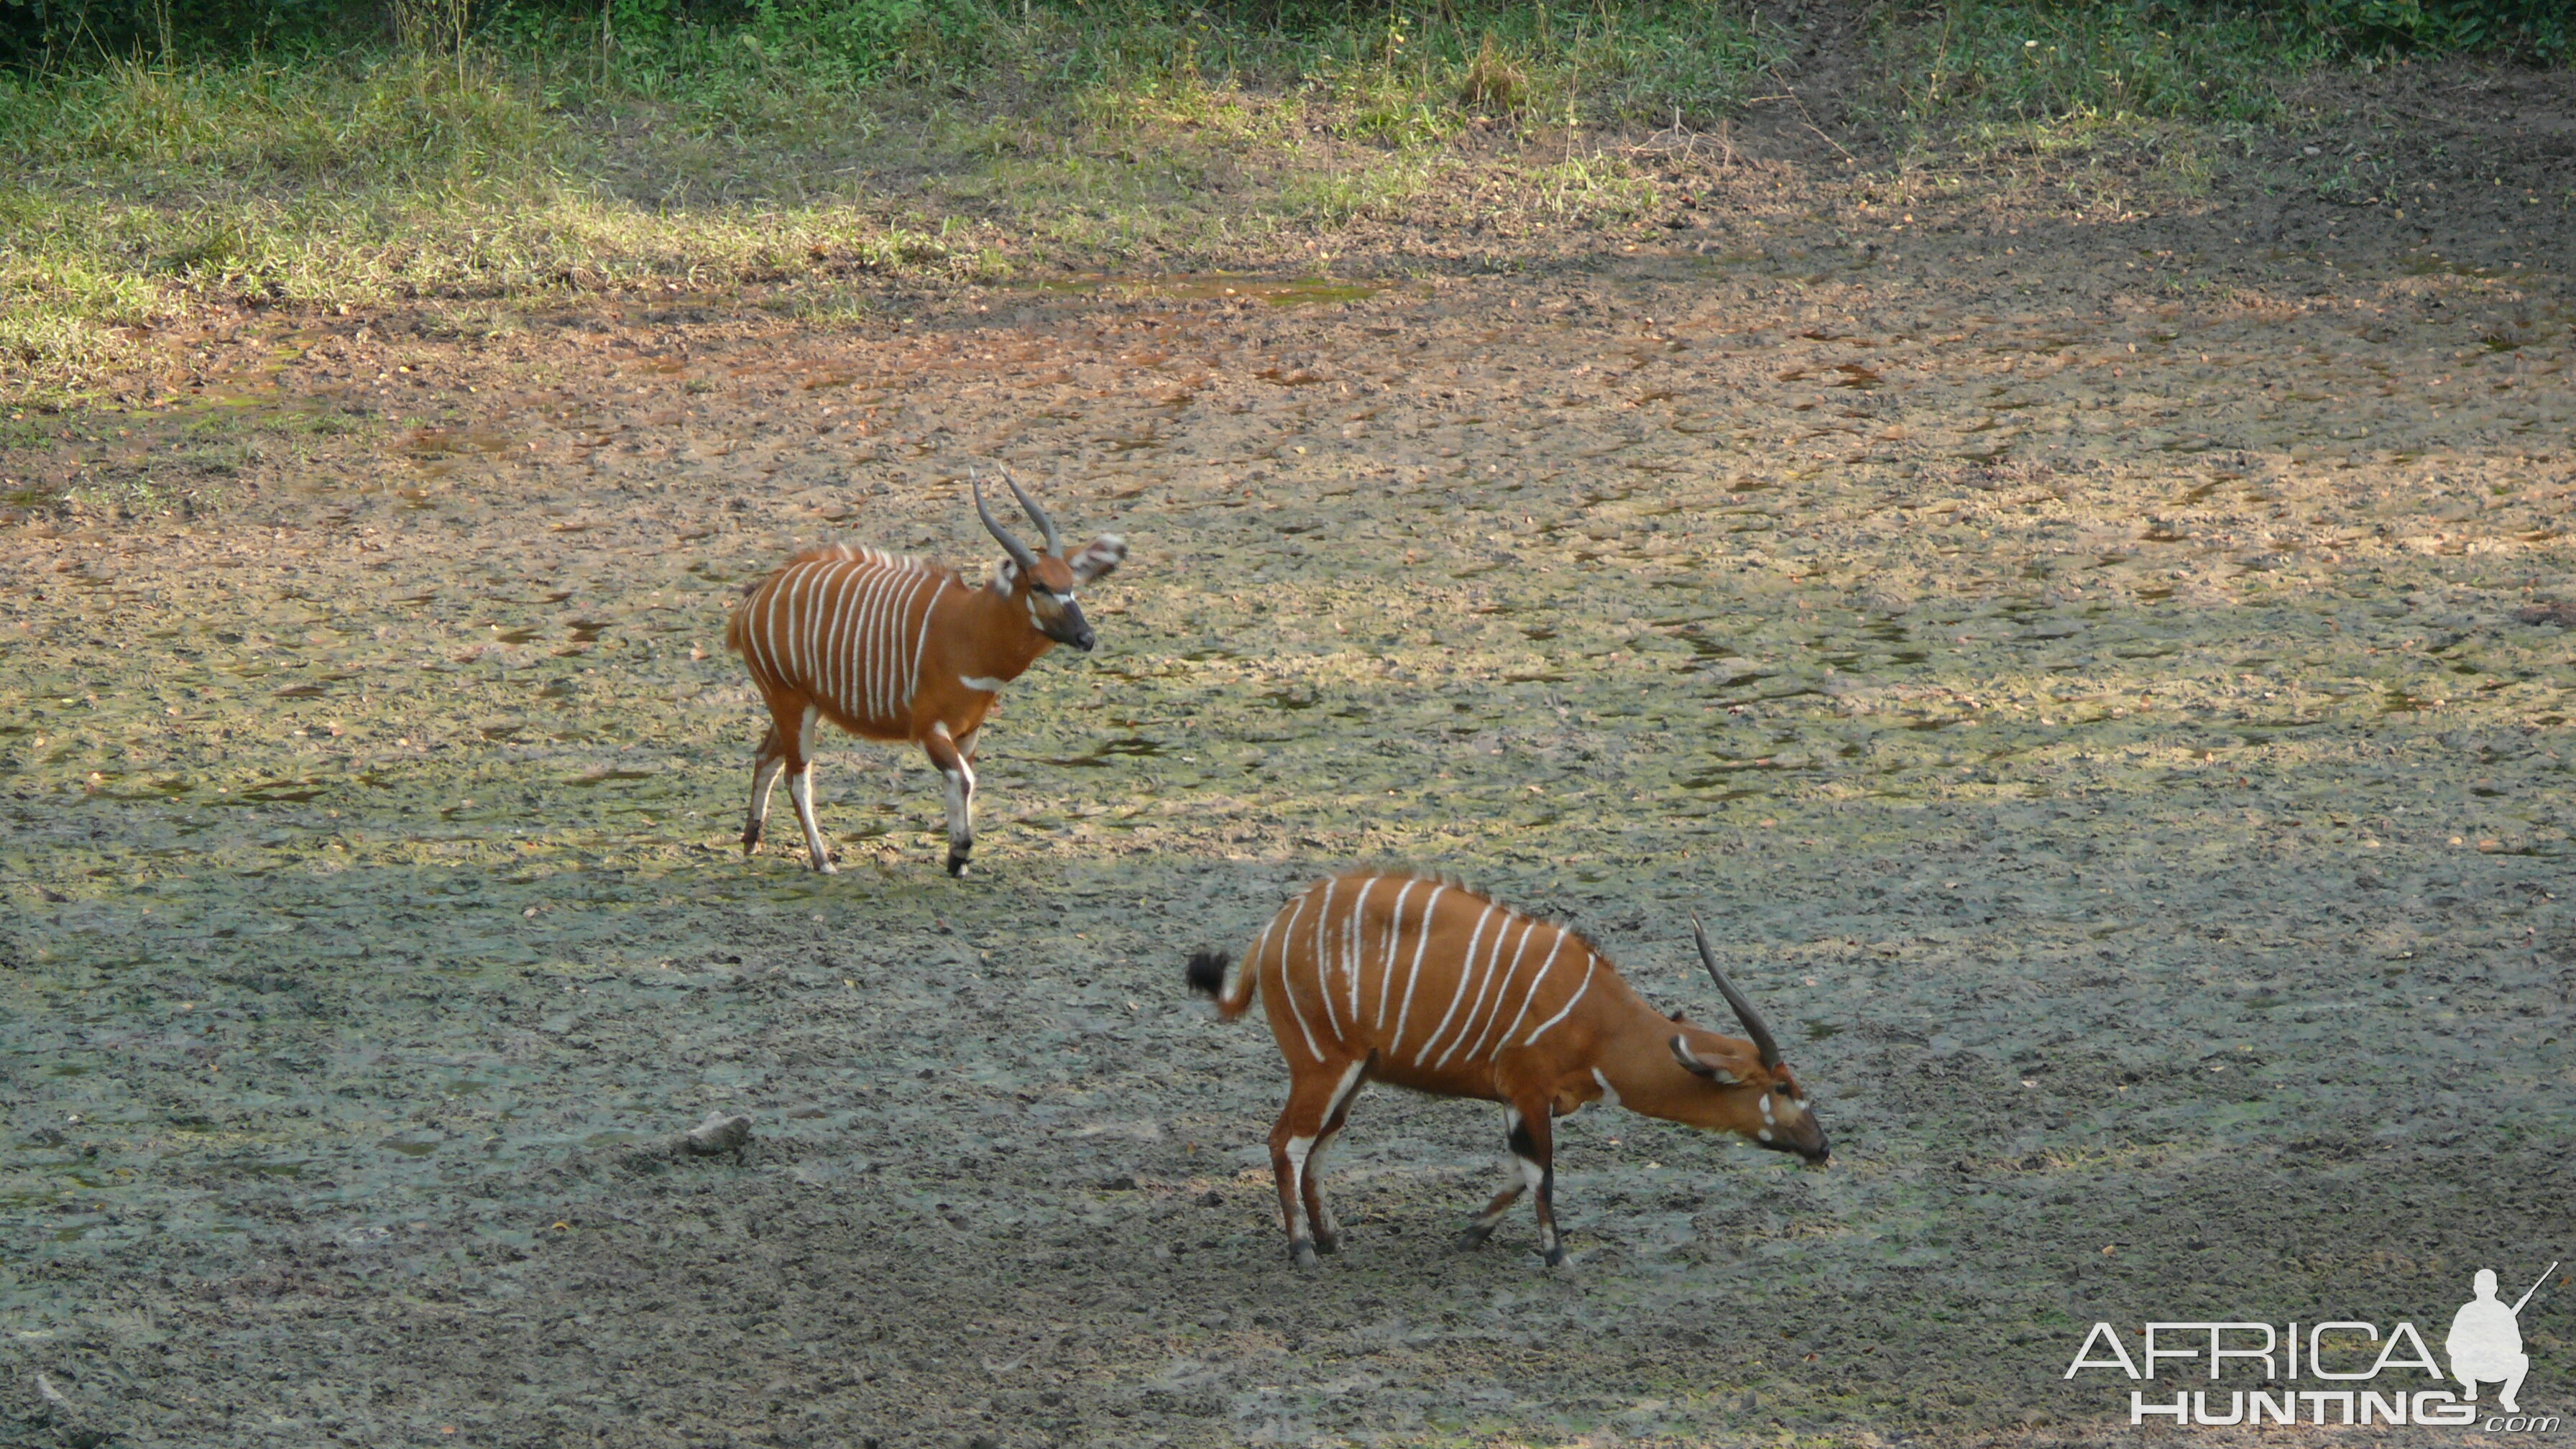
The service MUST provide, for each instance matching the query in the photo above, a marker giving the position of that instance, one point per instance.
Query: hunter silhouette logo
(2486, 1341)
(2362, 1377)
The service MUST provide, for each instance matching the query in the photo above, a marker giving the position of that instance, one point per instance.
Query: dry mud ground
(2099, 663)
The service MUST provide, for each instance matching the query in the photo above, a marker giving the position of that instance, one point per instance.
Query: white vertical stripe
(1413, 973)
(1287, 992)
(1323, 957)
(921, 641)
(1531, 994)
(1252, 963)
(836, 638)
(1394, 939)
(1351, 948)
(903, 628)
(799, 582)
(1487, 988)
(1466, 969)
(868, 654)
(1503, 993)
(1589, 961)
(773, 620)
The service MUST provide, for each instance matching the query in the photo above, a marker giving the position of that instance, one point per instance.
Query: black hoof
(1328, 1245)
(1302, 1253)
(1556, 1256)
(1474, 1236)
(957, 866)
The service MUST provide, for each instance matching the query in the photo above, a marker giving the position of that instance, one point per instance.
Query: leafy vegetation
(172, 153)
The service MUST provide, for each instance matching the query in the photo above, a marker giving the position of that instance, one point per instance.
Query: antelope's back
(1434, 979)
(844, 627)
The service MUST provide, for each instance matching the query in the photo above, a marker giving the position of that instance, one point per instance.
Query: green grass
(537, 164)
(1988, 61)
(808, 143)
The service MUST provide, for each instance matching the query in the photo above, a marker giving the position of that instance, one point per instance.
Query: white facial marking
(1609, 1093)
(1764, 1134)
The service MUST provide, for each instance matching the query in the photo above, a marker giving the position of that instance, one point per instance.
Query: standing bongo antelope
(894, 648)
(1420, 982)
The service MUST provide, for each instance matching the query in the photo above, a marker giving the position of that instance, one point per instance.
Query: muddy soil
(2098, 657)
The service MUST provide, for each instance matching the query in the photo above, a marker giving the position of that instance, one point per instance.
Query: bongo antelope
(893, 648)
(1418, 981)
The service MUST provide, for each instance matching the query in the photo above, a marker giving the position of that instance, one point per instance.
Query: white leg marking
(764, 778)
(1502, 996)
(1531, 993)
(1394, 939)
(1326, 1225)
(1296, 1152)
(1413, 972)
(1589, 961)
(800, 788)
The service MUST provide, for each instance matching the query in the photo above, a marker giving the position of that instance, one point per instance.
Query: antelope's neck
(1635, 1067)
(999, 640)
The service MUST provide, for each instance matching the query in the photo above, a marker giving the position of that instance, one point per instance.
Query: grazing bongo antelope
(894, 648)
(1421, 982)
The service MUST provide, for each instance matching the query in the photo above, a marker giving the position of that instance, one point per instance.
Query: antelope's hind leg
(766, 763)
(1314, 1096)
(800, 788)
(1319, 1214)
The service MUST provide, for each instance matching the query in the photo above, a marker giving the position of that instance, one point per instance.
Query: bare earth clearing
(2092, 652)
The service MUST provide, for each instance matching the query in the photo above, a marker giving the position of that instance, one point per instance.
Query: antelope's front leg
(960, 777)
(1533, 1142)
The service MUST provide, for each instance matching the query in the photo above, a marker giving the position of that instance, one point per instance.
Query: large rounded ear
(1097, 558)
(1698, 1068)
(1006, 576)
